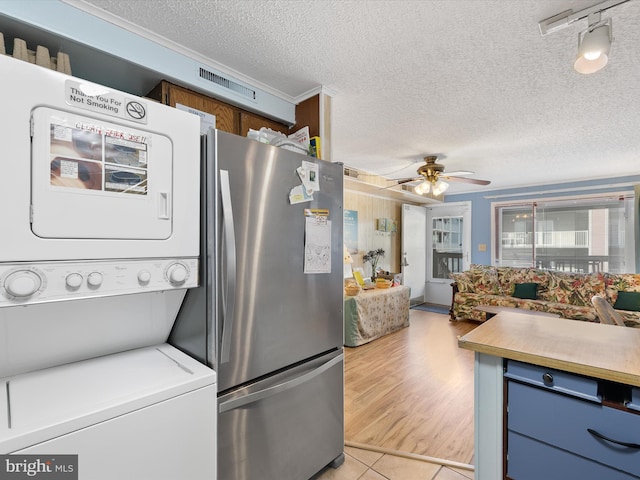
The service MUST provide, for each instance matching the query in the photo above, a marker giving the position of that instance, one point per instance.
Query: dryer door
(96, 179)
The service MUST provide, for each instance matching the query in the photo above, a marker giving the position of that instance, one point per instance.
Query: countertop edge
(546, 361)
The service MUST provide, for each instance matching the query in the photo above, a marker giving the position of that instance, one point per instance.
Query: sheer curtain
(581, 234)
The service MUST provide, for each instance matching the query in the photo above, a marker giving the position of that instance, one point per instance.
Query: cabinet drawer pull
(617, 442)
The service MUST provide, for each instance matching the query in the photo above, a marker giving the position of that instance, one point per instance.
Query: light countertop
(602, 351)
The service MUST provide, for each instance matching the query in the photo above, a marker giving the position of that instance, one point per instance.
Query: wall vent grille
(226, 83)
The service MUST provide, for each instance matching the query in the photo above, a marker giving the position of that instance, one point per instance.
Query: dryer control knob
(22, 283)
(177, 274)
(73, 280)
(94, 279)
(144, 276)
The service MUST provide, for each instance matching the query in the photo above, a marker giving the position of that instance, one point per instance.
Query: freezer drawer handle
(608, 439)
(229, 300)
(282, 387)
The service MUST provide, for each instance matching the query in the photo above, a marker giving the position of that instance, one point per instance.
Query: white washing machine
(100, 221)
(142, 414)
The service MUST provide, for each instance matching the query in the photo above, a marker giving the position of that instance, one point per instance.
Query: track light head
(594, 43)
(593, 48)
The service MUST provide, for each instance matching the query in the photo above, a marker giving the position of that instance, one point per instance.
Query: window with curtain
(580, 234)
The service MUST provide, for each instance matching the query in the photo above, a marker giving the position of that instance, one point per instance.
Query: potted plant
(373, 257)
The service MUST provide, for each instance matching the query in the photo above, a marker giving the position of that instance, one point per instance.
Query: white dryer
(100, 242)
(91, 173)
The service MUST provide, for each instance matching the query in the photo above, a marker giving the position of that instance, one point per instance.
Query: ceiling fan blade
(459, 173)
(475, 181)
(400, 182)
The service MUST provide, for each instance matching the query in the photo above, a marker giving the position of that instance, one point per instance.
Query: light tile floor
(363, 464)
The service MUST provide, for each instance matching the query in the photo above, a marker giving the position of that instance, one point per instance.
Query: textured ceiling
(471, 80)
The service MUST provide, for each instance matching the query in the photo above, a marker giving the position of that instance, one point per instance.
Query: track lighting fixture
(593, 47)
(595, 42)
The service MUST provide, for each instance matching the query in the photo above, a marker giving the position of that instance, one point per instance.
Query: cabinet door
(256, 122)
(228, 118)
(226, 115)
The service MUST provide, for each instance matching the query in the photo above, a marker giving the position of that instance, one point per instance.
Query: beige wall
(369, 209)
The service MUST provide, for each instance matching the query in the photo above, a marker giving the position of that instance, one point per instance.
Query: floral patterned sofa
(565, 294)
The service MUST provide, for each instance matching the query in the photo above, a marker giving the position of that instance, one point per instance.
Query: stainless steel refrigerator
(268, 316)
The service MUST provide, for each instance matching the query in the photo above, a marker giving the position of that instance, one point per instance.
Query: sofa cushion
(628, 301)
(573, 312)
(464, 282)
(510, 276)
(631, 319)
(615, 282)
(478, 279)
(575, 288)
(464, 303)
(526, 290)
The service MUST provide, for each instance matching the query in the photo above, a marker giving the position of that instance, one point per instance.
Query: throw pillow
(528, 291)
(628, 301)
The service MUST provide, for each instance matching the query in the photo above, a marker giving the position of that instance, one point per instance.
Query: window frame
(496, 221)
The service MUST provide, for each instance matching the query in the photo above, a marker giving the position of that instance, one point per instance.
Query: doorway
(448, 228)
(414, 252)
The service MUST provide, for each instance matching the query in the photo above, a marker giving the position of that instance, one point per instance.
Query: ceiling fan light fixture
(423, 188)
(593, 48)
(440, 187)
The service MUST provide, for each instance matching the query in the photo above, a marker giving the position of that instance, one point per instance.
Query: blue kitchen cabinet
(561, 425)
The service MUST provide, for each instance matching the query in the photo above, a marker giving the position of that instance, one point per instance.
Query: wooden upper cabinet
(308, 113)
(170, 94)
(256, 122)
(229, 118)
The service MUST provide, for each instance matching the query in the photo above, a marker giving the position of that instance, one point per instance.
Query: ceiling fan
(433, 177)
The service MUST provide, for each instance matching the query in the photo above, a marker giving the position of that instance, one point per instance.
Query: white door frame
(438, 291)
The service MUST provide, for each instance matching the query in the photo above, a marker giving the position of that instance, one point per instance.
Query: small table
(374, 313)
(492, 311)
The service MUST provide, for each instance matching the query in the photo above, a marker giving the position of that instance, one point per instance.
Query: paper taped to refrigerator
(308, 174)
(298, 194)
(317, 248)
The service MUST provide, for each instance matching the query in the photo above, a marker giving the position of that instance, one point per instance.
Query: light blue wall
(481, 206)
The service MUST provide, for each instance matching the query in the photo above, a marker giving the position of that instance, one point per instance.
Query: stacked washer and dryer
(99, 242)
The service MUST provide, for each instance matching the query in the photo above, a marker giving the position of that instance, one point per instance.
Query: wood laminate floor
(412, 390)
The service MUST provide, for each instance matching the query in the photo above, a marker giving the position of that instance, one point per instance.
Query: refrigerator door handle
(282, 387)
(229, 298)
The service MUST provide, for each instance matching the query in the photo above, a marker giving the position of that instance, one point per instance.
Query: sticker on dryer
(73, 173)
(94, 158)
(97, 98)
(125, 180)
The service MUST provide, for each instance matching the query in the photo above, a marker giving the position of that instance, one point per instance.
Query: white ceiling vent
(235, 87)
